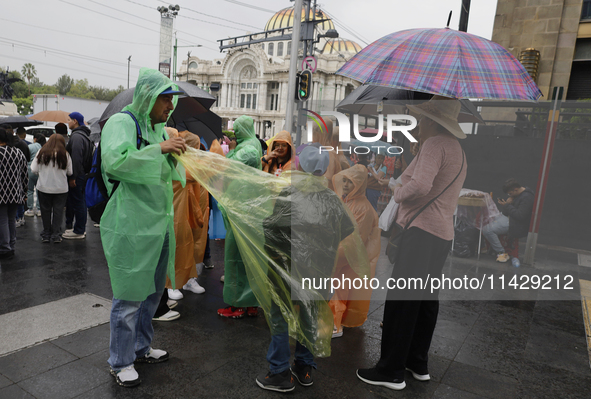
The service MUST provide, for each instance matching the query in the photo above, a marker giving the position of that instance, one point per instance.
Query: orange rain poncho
(350, 307)
(273, 165)
(191, 217)
(336, 144)
(325, 139)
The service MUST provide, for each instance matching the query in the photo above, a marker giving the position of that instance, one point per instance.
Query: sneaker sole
(298, 380)
(152, 360)
(73, 238)
(126, 384)
(272, 388)
(419, 377)
(168, 319)
(232, 317)
(172, 305)
(390, 385)
(208, 267)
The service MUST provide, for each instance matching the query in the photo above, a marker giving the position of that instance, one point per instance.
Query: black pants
(52, 213)
(410, 315)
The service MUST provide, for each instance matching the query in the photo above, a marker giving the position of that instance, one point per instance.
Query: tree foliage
(64, 84)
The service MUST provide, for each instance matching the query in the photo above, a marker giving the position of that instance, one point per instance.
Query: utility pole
(128, 63)
(293, 64)
(188, 58)
(167, 15)
(464, 15)
(174, 59)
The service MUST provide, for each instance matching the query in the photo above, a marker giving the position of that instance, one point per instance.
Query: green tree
(24, 105)
(81, 89)
(64, 84)
(29, 72)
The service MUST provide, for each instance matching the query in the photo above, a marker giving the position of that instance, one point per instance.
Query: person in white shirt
(53, 165)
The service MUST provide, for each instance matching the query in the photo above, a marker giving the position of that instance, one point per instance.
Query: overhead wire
(251, 6)
(77, 33)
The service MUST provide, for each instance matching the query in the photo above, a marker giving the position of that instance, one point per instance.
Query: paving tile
(111, 390)
(4, 381)
(85, 342)
(557, 348)
(446, 348)
(565, 315)
(480, 382)
(446, 392)
(542, 380)
(14, 392)
(67, 381)
(32, 361)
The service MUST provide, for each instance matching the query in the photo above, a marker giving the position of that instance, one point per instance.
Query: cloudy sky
(93, 38)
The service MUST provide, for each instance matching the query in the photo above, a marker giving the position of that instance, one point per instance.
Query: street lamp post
(188, 58)
(167, 15)
(128, 64)
(174, 59)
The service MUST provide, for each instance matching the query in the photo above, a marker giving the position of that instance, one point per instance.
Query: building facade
(254, 80)
(560, 30)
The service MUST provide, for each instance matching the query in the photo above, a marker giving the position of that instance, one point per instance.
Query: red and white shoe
(232, 312)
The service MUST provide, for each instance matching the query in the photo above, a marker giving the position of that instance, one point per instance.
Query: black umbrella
(194, 102)
(364, 101)
(19, 121)
(207, 126)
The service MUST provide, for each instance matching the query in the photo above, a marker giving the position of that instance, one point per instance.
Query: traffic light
(303, 85)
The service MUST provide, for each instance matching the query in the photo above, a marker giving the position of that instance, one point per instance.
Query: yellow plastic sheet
(286, 228)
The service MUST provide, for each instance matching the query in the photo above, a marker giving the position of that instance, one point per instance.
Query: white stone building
(253, 80)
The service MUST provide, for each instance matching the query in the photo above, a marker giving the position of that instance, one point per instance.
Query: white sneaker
(336, 333)
(153, 356)
(171, 304)
(38, 212)
(70, 235)
(30, 212)
(126, 377)
(222, 278)
(20, 222)
(175, 294)
(193, 286)
(168, 316)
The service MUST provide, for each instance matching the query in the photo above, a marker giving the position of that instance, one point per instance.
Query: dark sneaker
(373, 377)
(126, 377)
(303, 374)
(153, 356)
(207, 263)
(419, 374)
(232, 312)
(281, 382)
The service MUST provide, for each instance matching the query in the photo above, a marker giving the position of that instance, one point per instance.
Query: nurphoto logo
(345, 128)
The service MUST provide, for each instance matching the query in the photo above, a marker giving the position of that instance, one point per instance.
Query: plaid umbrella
(445, 62)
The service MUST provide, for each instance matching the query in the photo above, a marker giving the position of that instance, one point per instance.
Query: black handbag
(397, 231)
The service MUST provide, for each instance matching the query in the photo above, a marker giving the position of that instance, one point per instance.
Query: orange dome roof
(284, 19)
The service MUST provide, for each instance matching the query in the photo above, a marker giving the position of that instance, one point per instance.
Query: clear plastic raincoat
(140, 211)
(350, 306)
(286, 228)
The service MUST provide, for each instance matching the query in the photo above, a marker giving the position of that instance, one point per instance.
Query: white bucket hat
(442, 110)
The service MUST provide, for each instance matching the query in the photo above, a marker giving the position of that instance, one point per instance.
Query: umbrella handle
(449, 18)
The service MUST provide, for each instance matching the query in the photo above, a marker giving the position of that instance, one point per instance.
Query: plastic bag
(466, 239)
(286, 228)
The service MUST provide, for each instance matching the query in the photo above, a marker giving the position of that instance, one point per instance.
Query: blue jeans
(20, 211)
(76, 207)
(33, 177)
(7, 227)
(373, 197)
(131, 322)
(279, 352)
(494, 229)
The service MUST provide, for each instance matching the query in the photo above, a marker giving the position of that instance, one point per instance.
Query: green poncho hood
(149, 86)
(248, 151)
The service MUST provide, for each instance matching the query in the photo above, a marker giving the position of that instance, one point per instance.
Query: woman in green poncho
(237, 292)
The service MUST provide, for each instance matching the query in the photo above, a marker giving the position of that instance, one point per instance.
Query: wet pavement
(481, 348)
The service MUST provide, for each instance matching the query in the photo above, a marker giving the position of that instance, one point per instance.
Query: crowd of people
(317, 218)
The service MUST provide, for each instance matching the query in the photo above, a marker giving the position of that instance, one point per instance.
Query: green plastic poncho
(140, 211)
(248, 151)
(286, 228)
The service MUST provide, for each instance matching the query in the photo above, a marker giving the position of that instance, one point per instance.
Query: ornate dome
(336, 46)
(284, 19)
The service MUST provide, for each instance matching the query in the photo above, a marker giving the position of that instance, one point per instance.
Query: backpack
(97, 195)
